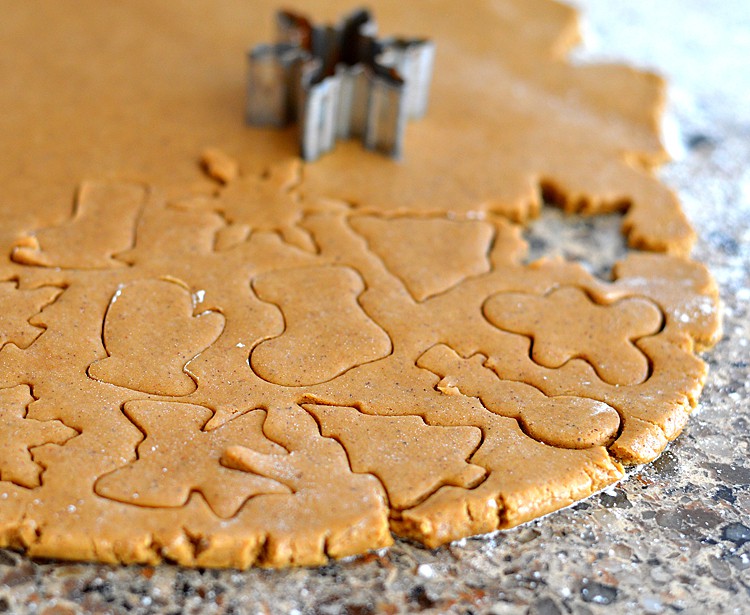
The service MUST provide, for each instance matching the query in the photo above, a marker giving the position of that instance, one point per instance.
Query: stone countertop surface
(675, 535)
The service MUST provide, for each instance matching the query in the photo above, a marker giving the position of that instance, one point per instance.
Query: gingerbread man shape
(566, 324)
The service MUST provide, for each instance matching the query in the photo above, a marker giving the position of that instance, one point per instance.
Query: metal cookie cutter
(339, 82)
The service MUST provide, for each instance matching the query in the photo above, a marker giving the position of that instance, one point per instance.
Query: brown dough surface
(220, 356)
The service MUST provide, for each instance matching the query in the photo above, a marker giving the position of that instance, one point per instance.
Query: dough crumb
(219, 165)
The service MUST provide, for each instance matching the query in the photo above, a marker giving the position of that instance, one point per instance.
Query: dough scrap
(322, 356)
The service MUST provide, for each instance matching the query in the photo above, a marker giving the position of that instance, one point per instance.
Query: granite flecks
(673, 537)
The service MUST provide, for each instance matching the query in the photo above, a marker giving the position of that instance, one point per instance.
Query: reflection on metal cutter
(339, 82)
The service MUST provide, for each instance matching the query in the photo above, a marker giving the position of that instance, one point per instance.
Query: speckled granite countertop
(674, 536)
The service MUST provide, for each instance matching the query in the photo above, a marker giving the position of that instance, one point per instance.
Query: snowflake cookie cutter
(339, 81)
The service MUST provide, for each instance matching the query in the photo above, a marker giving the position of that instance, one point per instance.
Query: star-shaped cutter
(338, 82)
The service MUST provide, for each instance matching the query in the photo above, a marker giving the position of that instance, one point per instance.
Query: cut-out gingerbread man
(566, 324)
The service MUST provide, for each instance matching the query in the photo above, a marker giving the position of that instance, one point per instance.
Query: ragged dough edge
(641, 441)
(449, 514)
(674, 235)
(453, 513)
(186, 547)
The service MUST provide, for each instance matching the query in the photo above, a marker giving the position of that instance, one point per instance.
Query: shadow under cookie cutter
(339, 82)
